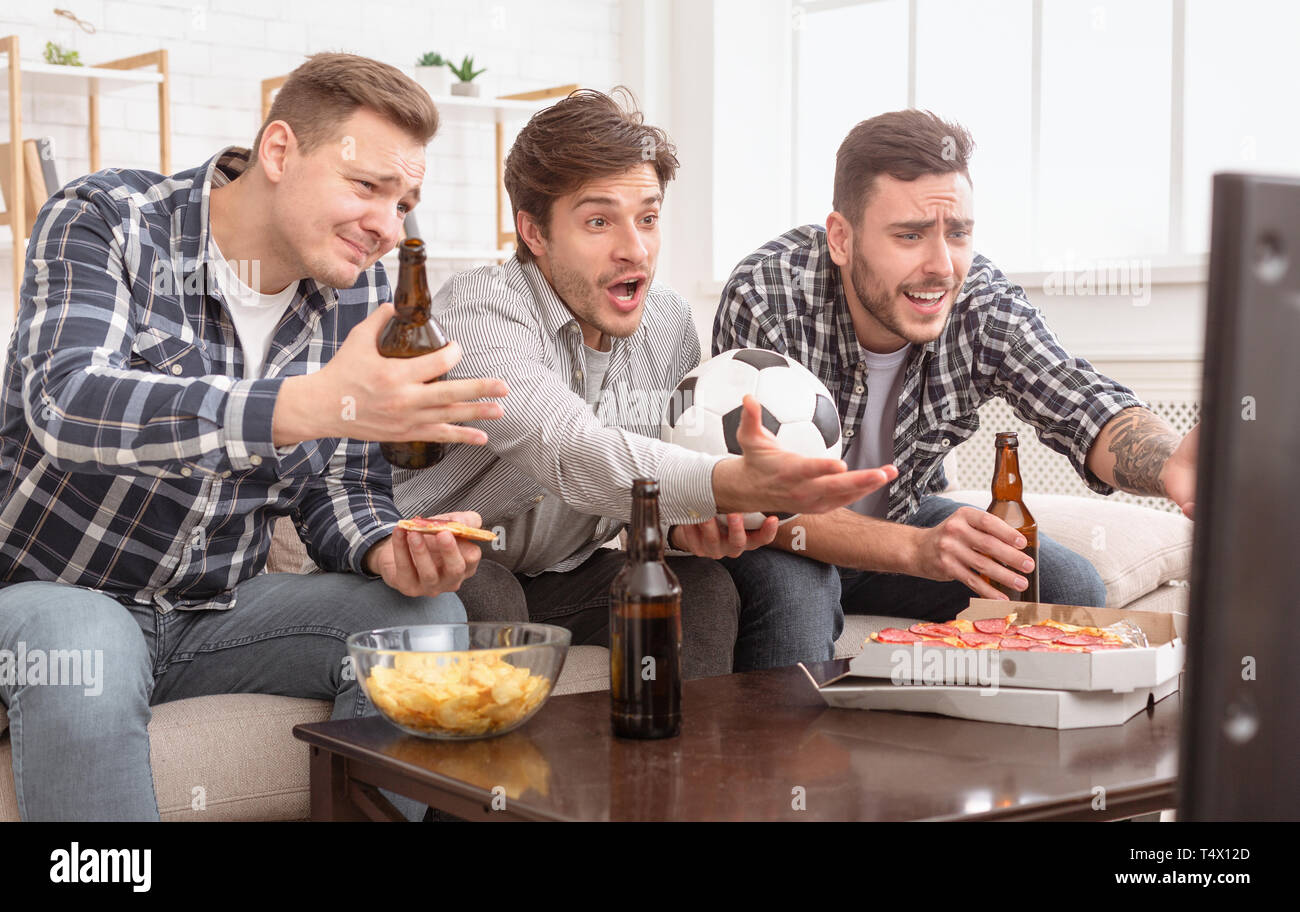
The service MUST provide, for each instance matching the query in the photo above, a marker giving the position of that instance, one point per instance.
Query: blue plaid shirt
(787, 296)
(135, 459)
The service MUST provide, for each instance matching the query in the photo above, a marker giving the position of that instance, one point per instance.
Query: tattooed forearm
(1140, 443)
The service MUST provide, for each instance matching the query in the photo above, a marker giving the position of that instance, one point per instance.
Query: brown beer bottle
(645, 630)
(412, 332)
(1008, 505)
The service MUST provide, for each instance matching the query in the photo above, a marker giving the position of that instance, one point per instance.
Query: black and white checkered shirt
(134, 457)
(787, 296)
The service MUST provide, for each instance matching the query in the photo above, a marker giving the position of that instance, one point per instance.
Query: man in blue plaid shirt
(164, 403)
(911, 331)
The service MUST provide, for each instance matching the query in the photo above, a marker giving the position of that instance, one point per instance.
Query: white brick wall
(220, 50)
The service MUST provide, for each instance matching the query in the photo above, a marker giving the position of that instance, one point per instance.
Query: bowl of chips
(459, 681)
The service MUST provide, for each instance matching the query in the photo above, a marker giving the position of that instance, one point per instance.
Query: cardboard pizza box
(963, 743)
(1115, 670)
(1056, 709)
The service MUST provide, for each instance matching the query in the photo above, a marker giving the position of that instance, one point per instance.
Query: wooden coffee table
(754, 746)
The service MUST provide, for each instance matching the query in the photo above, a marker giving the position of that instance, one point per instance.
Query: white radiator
(970, 465)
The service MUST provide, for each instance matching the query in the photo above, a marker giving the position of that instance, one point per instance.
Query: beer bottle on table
(1008, 505)
(645, 630)
(410, 333)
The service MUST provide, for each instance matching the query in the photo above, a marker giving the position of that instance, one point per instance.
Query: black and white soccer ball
(703, 414)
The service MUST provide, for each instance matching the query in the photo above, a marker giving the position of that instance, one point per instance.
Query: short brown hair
(328, 88)
(586, 136)
(902, 144)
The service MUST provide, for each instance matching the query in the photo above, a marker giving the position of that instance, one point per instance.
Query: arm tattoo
(1142, 444)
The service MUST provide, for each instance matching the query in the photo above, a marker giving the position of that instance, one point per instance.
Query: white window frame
(1175, 267)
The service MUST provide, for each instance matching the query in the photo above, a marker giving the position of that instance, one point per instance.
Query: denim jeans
(790, 609)
(1064, 578)
(82, 752)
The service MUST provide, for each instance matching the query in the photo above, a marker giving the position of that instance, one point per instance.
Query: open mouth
(927, 301)
(626, 294)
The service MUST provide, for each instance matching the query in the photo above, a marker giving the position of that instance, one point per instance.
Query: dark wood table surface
(754, 746)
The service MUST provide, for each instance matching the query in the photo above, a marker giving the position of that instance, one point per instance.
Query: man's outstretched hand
(770, 479)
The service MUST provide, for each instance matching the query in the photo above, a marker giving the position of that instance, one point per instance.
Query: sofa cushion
(288, 554)
(237, 748)
(1134, 549)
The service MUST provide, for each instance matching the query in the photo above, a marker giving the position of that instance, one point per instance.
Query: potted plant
(431, 72)
(465, 73)
(57, 53)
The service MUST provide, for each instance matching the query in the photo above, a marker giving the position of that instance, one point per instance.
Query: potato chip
(463, 693)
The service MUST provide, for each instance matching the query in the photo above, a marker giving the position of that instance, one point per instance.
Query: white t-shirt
(874, 444)
(255, 315)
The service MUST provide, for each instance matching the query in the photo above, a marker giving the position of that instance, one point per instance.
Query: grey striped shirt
(512, 325)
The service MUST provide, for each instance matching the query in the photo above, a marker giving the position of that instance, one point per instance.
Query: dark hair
(902, 144)
(328, 88)
(586, 136)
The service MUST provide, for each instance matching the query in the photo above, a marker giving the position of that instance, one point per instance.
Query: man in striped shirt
(911, 330)
(590, 346)
(165, 401)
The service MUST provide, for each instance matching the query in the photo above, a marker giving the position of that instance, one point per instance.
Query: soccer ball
(703, 414)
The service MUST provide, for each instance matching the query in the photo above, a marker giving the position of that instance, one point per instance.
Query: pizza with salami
(1003, 633)
(458, 529)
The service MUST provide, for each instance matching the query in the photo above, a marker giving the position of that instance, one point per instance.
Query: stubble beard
(586, 300)
(878, 302)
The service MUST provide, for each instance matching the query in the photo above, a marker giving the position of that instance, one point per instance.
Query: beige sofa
(239, 748)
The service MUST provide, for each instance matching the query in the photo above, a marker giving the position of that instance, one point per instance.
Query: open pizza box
(1116, 670)
(1058, 709)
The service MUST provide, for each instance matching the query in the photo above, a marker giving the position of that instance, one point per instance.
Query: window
(976, 70)
(1103, 176)
(847, 60)
(1097, 125)
(1240, 92)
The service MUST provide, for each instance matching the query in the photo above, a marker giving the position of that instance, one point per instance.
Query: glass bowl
(459, 681)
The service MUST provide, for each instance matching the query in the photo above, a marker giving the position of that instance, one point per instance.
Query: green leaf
(59, 55)
(466, 72)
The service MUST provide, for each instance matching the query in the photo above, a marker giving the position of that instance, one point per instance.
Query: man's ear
(839, 238)
(530, 233)
(278, 141)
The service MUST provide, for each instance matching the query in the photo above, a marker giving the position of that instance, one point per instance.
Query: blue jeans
(81, 751)
(789, 609)
(1064, 578)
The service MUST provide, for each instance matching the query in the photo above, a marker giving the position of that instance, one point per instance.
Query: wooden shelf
(87, 82)
(74, 80)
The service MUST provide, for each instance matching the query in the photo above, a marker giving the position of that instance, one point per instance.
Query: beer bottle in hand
(411, 332)
(1008, 505)
(645, 629)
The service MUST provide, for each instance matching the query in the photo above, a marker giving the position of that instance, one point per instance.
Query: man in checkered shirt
(911, 330)
(195, 356)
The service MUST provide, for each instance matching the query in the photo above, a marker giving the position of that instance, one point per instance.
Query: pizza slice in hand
(458, 529)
